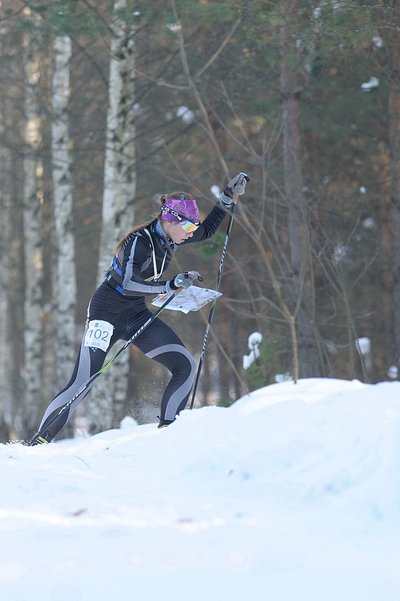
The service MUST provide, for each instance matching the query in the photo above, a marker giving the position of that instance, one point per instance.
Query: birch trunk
(6, 425)
(109, 397)
(3, 300)
(65, 278)
(11, 262)
(32, 171)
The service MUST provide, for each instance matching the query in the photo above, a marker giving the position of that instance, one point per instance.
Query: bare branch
(195, 91)
(218, 52)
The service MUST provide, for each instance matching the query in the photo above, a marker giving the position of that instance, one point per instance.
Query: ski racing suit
(118, 309)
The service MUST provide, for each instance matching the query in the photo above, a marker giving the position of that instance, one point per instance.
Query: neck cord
(157, 274)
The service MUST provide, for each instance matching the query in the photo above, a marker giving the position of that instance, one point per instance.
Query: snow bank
(291, 493)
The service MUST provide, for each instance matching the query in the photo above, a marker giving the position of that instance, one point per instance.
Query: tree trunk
(298, 226)
(119, 192)
(12, 261)
(32, 239)
(394, 141)
(65, 280)
(6, 425)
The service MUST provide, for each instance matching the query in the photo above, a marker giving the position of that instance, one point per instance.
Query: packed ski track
(293, 492)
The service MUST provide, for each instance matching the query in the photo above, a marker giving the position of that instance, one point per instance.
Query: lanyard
(157, 274)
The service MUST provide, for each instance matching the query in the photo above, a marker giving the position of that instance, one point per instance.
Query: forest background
(106, 104)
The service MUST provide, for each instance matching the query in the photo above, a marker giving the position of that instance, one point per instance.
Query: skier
(118, 309)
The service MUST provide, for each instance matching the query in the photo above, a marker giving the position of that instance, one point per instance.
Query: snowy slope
(293, 493)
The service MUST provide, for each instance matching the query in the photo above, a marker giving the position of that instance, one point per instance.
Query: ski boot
(44, 438)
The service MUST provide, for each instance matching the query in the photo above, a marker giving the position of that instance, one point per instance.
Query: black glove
(236, 186)
(183, 280)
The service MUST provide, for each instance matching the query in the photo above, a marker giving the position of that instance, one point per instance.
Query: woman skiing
(118, 308)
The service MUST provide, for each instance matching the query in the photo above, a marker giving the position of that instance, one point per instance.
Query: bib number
(98, 334)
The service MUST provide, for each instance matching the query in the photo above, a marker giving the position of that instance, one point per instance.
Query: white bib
(98, 334)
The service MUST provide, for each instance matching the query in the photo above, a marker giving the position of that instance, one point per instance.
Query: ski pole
(212, 310)
(86, 385)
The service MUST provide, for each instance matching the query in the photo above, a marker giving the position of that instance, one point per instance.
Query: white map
(189, 299)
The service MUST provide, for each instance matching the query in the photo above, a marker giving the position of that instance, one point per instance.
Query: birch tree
(65, 280)
(5, 240)
(33, 252)
(3, 303)
(119, 188)
(5, 350)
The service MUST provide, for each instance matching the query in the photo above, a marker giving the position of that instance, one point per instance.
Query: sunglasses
(186, 224)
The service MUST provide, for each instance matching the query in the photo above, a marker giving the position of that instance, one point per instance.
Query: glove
(236, 186)
(183, 280)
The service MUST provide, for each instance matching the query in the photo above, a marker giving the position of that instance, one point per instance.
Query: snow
(254, 341)
(363, 345)
(293, 492)
(369, 85)
(340, 252)
(368, 223)
(216, 190)
(185, 114)
(377, 41)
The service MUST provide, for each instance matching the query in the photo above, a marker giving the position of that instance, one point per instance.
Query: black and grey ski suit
(118, 309)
